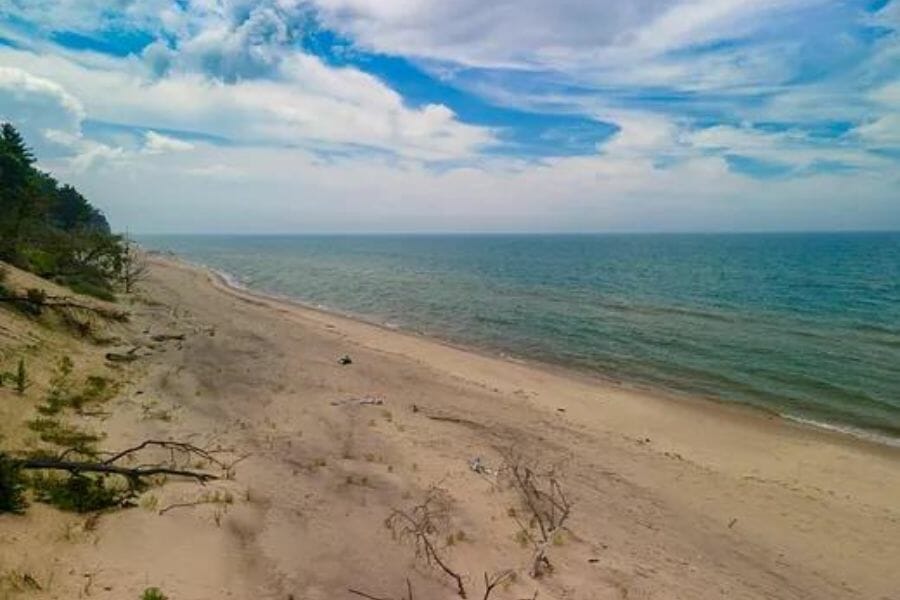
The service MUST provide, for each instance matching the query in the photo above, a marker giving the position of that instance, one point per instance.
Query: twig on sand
(493, 581)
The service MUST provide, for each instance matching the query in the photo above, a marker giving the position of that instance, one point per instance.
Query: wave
(856, 432)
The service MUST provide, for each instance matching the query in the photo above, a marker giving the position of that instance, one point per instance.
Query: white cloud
(642, 135)
(882, 133)
(888, 94)
(156, 143)
(309, 104)
(40, 107)
(789, 147)
(567, 34)
(50, 118)
(91, 154)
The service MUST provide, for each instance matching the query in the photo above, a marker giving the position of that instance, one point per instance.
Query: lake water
(806, 325)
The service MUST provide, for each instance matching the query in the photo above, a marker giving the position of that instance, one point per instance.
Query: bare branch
(420, 524)
(544, 500)
(134, 267)
(491, 582)
(182, 447)
(88, 467)
(365, 595)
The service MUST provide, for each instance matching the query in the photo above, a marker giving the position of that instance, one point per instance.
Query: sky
(292, 116)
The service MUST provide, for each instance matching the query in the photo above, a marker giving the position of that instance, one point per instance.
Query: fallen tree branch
(365, 595)
(76, 467)
(455, 420)
(108, 466)
(193, 504)
(165, 337)
(122, 358)
(409, 593)
(183, 447)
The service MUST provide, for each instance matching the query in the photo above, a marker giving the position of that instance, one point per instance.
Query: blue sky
(420, 115)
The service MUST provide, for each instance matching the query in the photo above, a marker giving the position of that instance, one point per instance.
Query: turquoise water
(807, 325)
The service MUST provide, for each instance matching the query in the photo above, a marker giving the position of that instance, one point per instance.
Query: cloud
(233, 47)
(156, 143)
(564, 35)
(87, 16)
(91, 154)
(211, 189)
(309, 104)
(883, 133)
(727, 114)
(41, 108)
(51, 119)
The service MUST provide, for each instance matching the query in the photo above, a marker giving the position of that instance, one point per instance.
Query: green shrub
(37, 260)
(78, 492)
(58, 396)
(19, 378)
(54, 432)
(97, 389)
(153, 594)
(88, 285)
(12, 486)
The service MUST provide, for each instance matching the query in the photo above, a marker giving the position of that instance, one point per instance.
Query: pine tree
(21, 377)
(14, 145)
(15, 170)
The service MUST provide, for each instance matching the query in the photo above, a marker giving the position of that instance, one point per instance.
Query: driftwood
(111, 465)
(409, 595)
(166, 337)
(76, 467)
(123, 357)
(451, 419)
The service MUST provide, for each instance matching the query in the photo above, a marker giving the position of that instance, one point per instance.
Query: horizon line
(519, 233)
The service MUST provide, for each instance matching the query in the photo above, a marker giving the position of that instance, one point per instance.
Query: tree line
(52, 230)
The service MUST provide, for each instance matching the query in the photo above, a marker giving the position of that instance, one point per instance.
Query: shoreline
(232, 284)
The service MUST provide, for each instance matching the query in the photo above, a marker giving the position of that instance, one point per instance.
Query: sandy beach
(671, 497)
